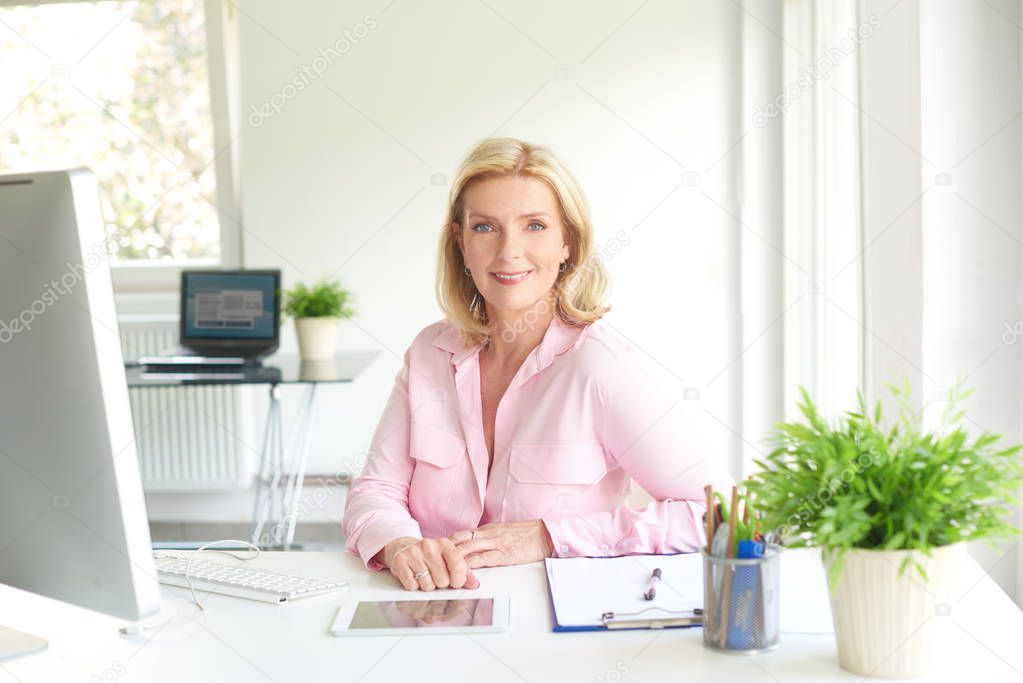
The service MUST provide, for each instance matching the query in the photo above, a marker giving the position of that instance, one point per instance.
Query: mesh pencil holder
(740, 598)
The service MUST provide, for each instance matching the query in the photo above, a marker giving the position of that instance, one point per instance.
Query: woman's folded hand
(504, 543)
(444, 565)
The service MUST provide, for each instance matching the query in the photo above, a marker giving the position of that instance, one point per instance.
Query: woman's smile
(509, 279)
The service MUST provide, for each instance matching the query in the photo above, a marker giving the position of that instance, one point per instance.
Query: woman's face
(512, 226)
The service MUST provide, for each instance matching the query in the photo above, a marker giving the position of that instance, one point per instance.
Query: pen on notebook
(651, 587)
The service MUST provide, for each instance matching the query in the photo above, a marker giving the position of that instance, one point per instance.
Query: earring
(465, 269)
(563, 267)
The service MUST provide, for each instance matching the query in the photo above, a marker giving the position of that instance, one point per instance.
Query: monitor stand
(16, 643)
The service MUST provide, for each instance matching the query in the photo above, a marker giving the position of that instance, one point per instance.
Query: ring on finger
(420, 574)
(473, 536)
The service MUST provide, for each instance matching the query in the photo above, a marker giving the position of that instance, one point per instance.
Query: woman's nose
(510, 248)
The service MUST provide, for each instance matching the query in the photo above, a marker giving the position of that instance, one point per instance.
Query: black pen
(651, 587)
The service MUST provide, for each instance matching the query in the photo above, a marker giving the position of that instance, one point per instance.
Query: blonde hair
(578, 290)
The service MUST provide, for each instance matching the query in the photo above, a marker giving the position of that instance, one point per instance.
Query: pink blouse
(580, 417)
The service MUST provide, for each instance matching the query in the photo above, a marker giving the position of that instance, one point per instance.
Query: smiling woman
(512, 203)
(453, 483)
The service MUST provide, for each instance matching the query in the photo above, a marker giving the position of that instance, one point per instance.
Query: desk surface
(241, 640)
(280, 368)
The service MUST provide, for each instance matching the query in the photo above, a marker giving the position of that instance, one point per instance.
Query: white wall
(970, 144)
(639, 99)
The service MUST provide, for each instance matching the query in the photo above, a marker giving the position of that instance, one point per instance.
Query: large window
(122, 88)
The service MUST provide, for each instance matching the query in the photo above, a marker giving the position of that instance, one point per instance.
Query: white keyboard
(241, 581)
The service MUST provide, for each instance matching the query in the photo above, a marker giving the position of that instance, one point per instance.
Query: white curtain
(802, 289)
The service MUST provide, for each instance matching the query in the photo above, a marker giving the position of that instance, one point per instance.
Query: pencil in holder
(740, 598)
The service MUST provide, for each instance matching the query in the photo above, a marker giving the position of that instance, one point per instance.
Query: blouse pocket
(551, 478)
(435, 446)
(436, 479)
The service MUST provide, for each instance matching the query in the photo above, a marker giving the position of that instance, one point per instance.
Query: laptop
(228, 317)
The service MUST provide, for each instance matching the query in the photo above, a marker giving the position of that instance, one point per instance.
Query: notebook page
(583, 587)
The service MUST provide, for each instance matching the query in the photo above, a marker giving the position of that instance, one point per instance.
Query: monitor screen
(229, 305)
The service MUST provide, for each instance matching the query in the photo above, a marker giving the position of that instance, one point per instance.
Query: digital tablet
(422, 615)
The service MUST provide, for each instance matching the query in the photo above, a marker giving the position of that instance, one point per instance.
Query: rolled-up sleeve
(646, 432)
(376, 510)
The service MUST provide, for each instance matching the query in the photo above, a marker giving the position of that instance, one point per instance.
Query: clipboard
(573, 582)
(653, 618)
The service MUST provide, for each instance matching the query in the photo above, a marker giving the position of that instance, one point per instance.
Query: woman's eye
(476, 228)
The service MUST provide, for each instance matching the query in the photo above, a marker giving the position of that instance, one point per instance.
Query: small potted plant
(891, 511)
(317, 309)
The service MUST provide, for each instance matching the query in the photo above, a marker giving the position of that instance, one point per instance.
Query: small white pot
(316, 337)
(318, 370)
(886, 624)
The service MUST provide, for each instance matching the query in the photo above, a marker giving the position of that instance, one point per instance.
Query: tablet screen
(424, 613)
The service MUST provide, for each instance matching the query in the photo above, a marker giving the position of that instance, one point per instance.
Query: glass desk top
(278, 368)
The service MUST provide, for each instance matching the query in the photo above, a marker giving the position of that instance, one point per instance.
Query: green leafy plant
(852, 484)
(323, 299)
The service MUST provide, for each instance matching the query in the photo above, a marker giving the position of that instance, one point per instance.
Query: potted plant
(891, 511)
(317, 309)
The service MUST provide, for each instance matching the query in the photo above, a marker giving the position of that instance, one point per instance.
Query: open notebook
(583, 588)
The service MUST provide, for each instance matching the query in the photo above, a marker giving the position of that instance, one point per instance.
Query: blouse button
(604, 548)
(564, 548)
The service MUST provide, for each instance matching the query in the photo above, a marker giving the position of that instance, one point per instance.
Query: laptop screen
(229, 305)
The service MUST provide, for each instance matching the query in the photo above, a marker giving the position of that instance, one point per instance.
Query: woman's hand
(445, 565)
(504, 543)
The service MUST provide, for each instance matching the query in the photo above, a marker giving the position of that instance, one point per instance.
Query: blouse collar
(559, 338)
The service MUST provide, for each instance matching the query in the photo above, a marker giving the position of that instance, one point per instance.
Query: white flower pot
(318, 370)
(886, 624)
(316, 337)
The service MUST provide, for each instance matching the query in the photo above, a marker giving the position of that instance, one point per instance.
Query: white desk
(241, 640)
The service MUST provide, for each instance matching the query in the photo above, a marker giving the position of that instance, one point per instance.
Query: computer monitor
(234, 310)
(73, 523)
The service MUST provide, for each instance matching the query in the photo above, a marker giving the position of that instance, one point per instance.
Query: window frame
(823, 188)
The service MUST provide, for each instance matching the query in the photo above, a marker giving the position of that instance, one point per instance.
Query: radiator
(188, 438)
